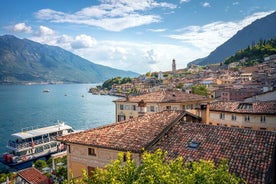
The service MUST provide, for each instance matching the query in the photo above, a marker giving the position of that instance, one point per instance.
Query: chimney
(142, 108)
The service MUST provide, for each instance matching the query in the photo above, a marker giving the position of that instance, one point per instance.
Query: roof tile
(249, 152)
(34, 176)
(164, 96)
(131, 135)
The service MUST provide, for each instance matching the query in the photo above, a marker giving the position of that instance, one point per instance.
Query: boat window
(37, 138)
(22, 153)
(47, 146)
(54, 144)
(53, 134)
(39, 149)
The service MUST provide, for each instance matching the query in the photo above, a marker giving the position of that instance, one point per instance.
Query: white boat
(33, 143)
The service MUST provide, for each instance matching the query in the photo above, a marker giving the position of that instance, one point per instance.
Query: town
(234, 120)
(213, 112)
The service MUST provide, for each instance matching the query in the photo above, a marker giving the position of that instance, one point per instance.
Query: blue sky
(141, 36)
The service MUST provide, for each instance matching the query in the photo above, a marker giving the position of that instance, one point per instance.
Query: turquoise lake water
(24, 106)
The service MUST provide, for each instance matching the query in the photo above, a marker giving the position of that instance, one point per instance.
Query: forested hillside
(254, 54)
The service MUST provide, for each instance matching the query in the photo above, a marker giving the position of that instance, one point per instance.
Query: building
(248, 115)
(267, 96)
(173, 67)
(250, 153)
(31, 176)
(127, 108)
(236, 93)
(97, 147)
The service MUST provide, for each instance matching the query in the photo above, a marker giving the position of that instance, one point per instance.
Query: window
(121, 117)
(262, 119)
(91, 151)
(121, 107)
(222, 116)
(245, 106)
(134, 107)
(193, 145)
(247, 118)
(168, 107)
(125, 157)
(152, 109)
(234, 117)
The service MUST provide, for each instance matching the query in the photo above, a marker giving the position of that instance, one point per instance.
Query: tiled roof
(257, 107)
(165, 96)
(249, 152)
(131, 135)
(34, 176)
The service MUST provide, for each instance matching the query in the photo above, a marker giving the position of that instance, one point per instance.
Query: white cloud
(206, 4)
(44, 31)
(22, 27)
(157, 30)
(83, 41)
(207, 37)
(184, 1)
(139, 57)
(112, 15)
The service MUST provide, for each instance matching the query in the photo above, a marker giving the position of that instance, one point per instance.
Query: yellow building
(96, 147)
(255, 115)
(127, 108)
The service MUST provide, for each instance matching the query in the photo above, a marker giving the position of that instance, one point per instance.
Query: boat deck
(41, 131)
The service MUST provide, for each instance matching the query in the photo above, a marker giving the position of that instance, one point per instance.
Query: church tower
(173, 67)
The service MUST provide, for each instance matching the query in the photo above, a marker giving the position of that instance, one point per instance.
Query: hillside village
(234, 120)
(224, 82)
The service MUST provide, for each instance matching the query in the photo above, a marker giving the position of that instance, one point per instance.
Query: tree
(155, 168)
(199, 89)
(40, 164)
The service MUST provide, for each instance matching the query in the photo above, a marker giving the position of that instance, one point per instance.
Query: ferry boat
(33, 143)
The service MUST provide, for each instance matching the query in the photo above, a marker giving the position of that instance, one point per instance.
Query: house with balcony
(156, 101)
(250, 153)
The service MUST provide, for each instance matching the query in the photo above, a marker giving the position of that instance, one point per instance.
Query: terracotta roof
(33, 176)
(131, 135)
(249, 152)
(257, 107)
(165, 96)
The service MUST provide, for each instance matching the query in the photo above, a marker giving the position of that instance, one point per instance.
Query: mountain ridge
(260, 29)
(23, 61)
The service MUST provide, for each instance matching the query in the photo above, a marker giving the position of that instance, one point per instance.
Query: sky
(136, 35)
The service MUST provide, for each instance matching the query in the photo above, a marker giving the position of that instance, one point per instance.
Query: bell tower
(173, 67)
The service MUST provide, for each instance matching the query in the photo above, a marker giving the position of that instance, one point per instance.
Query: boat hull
(25, 164)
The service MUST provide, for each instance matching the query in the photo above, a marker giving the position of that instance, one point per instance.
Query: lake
(24, 106)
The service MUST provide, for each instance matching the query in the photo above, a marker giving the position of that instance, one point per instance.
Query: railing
(21, 145)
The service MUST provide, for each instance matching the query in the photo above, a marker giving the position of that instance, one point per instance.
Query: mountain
(22, 61)
(261, 29)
